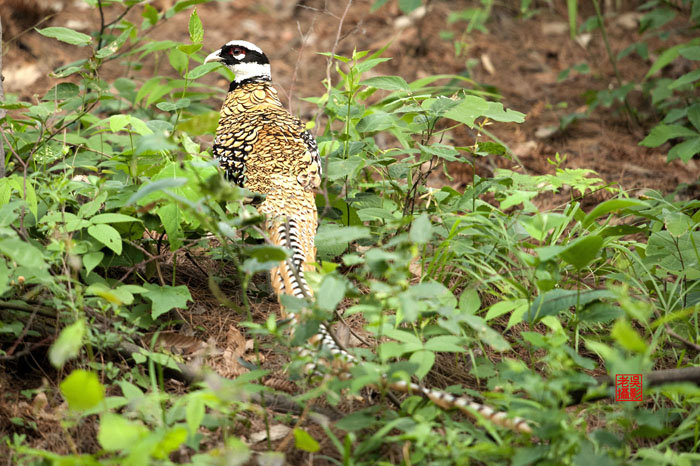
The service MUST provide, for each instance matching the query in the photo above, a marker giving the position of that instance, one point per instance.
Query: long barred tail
(288, 278)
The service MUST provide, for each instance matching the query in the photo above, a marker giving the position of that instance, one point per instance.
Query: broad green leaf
(677, 223)
(407, 6)
(201, 70)
(694, 115)
(421, 230)
(171, 441)
(666, 57)
(445, 343)
(685, 150)
(473, 107)
(691, 53)
(66, 35)
(118, 122)
(388, 83)
(154, 186)
(555, 301)
(332, 240)
(502, 307)
(108, 236)
(661, 133)
(113, 218)
(377, 121)
(627, 337)
(613, 205)
(304, 441)
(117, 296)
(195, 28)
(194, 413)
(485, 333)
(118, 433)
(67, 345)
(165, 298)
(469, 301)
(23, 253)
(82, 390)
(265, 253)
(425, 360)
(330, 293)
(582, 251)
(687, 78)
(171, 217)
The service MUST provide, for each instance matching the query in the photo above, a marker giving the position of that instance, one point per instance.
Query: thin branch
(2, 110)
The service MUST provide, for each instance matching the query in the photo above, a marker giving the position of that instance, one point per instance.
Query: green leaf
(627, 337)
(150, 14)
(117, 433)
(469, 301)
(66, 35)
(612, 205)
(377, 121)
(407, 6)
(555, 301)
(421, 230)
(691, 53)
(445, 343)
(685, 150)
(666, 57)
(694, 115)
(194, 413)
(473, 107)
(425, 360)
(332, 240)
(267, 253)
(108, 236)
(67, 345)
(165, 298)
(330, 293)
(304, 441)
(661, 133)
(82, 390)
(388, 83)
(677, 223)
(171, 217)
(195, 27)
(486, 333)
(23, 253)
(687, 78)
(171, 441)
(154, 186)
(201, 70)
(113, 218)
(582, 251)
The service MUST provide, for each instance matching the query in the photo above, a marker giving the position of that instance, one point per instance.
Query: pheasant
(260, 146)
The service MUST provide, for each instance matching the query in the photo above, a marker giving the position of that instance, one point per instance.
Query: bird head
(246, 60)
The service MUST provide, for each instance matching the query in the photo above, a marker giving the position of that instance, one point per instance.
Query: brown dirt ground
(525, 57)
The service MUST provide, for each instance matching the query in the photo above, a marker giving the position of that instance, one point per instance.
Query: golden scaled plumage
(265, 149)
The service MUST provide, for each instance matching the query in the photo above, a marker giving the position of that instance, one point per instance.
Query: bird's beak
(214, 56)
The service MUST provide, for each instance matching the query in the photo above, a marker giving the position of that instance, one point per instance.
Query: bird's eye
(237, 52)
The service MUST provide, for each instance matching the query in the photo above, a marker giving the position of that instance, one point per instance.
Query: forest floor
(520, 59)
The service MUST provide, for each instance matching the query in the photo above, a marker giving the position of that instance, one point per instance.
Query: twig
(2, 110)
(304, 38)
(687, 343)
(22, 334)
